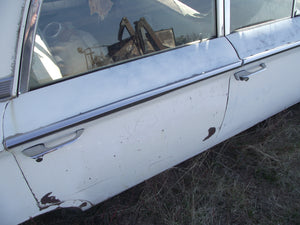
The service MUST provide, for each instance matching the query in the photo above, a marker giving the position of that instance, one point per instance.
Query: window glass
(250, 12)
(297, 12)
(77, 36)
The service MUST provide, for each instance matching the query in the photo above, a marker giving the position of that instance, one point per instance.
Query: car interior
(83, 35)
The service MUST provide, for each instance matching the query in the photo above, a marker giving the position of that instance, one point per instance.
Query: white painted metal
(269, 90)
(276, 84)
(56, 102)
(264, 94)
(21, 138)
(11, 16)
(118, 151)
(17, 202)
(266, 39)
(122, 149)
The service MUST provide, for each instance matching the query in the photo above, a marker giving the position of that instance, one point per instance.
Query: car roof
(11, 13)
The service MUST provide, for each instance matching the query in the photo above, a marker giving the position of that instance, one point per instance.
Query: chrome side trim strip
(110, 108)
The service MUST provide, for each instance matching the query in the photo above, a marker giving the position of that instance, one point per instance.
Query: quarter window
(77, 36)
(250, 12)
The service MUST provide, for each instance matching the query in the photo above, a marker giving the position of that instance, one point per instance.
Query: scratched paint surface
(122, 149)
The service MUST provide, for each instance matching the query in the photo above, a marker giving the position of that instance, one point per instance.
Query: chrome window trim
(28, 44)
(294, 11)
(110, 108)
(17, 71)
(227, 16)
(220, 18)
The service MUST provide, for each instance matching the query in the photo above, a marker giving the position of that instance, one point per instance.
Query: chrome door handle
(39, 150)
(244, 75)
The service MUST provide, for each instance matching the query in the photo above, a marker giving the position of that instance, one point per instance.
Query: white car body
(101, 144)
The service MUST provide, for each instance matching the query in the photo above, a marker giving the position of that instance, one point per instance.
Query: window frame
(28, 45)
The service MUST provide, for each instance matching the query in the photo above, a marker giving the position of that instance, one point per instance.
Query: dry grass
(253, 178)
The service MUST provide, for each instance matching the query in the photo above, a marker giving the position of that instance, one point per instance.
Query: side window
(250, 12)
(77, 36)
(297, 11)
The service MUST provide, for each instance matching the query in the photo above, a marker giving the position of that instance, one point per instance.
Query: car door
(95, 117)
(269, 81)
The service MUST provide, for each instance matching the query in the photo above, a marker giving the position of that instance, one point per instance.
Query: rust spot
(49, 199)
(211, 132)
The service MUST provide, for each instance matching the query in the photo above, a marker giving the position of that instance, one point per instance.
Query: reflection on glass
(297, 12)
(82, 35)
(245, 13)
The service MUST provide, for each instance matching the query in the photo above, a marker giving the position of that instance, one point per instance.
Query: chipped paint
(47, 199)
(79, 204)
(211, 132)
